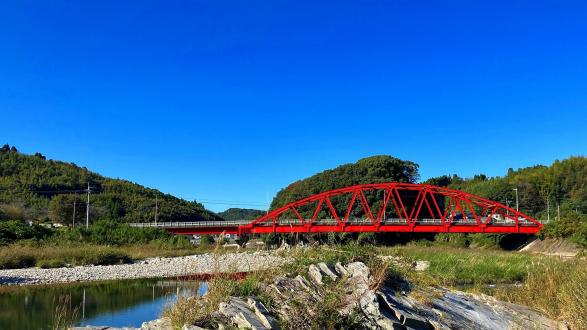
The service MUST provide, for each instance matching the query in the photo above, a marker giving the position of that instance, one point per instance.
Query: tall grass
(64, 314)
(556, 288)
(59, 255)
(451, 266)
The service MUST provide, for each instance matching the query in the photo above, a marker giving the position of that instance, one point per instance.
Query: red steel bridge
(394, 207)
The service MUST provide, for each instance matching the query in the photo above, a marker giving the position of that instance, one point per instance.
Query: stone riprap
(149, 268)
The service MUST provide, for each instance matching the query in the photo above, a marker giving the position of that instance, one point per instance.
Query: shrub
(112, 233)
(455, 240)
(11, 261)
(14, 230)
(51, 263)
(206, 240)
(107, 257)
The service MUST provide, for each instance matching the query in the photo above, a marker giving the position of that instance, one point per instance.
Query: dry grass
(457, 267)
(380, 271)
(21, 256)
(556, 288)
(192, 309)
(52, 256)
(64, 314)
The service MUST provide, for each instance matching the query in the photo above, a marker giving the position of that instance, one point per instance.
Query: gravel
(148, 268)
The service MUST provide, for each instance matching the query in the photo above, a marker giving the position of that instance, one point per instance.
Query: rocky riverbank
(298, 301)
(149, 268)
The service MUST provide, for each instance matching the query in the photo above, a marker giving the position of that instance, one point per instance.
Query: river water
(114, 303)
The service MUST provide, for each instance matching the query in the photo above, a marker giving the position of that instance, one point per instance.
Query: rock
(359, 277)
(158, 324)
(89, 327)
(315, 274)
(303, 282)
(340, 269)
(240, 314)
(263, 314)
(327, 271)
(191, 327)
(421, 265)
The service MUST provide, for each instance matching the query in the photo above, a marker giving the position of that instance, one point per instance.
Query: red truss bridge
(381, 207)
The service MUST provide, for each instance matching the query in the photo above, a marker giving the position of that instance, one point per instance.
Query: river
(112, 303)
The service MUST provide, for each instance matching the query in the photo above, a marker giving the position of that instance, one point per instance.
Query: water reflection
(116, 303)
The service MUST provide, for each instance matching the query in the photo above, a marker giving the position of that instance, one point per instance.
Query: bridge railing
(190, 224)
(330, 222)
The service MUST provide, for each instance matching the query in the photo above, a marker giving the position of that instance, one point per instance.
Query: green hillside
(564, 183)
(37, 189)
(367, 170)
(240, 214)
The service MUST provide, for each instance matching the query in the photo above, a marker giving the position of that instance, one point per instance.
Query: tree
(374, 169)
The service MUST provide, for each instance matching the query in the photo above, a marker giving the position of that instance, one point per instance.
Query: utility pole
(88, 208)
(73, 218)
(517, 201)
(558, 211)
(156, 208)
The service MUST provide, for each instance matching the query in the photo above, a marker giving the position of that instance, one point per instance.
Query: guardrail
(327, 222)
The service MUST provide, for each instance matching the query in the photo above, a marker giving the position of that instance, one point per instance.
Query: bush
(106, 257)
(50, 263)
(455, 240)
(13, 230)
(572, 226)
(23, 256)
(113, 233)
(11, 261)
(206, 240)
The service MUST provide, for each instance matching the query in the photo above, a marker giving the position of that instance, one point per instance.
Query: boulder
(263, 314)
(327, 271)
(239, 313)
(315, 274)
(158, 324)
(340, 269)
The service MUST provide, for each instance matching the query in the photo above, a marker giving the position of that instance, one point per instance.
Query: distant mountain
(240, 214)
(37, 189)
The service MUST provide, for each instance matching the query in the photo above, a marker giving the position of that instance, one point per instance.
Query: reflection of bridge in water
(394, 207)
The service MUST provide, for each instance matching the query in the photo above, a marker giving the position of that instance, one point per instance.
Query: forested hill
(564, 183)
(34, 188)
(368, 170)
(240, 214)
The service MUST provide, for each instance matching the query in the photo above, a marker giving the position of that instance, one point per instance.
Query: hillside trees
(374, 169)
(34, 188)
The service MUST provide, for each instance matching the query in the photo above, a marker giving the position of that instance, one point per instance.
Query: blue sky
(233, 100)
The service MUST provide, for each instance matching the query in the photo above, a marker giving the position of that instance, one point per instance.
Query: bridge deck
(352, 225)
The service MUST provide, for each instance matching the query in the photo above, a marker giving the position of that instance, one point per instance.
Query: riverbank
(331, 296)
(148, 268)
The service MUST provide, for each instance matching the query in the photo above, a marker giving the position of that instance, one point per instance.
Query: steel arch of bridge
(416, 207)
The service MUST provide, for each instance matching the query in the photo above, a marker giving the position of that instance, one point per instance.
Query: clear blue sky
(232, 100)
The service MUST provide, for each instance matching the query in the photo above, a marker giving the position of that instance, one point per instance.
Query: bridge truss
(381, 207)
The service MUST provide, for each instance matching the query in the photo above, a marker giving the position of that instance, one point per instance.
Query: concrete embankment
(149, 268)
(552, 247)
